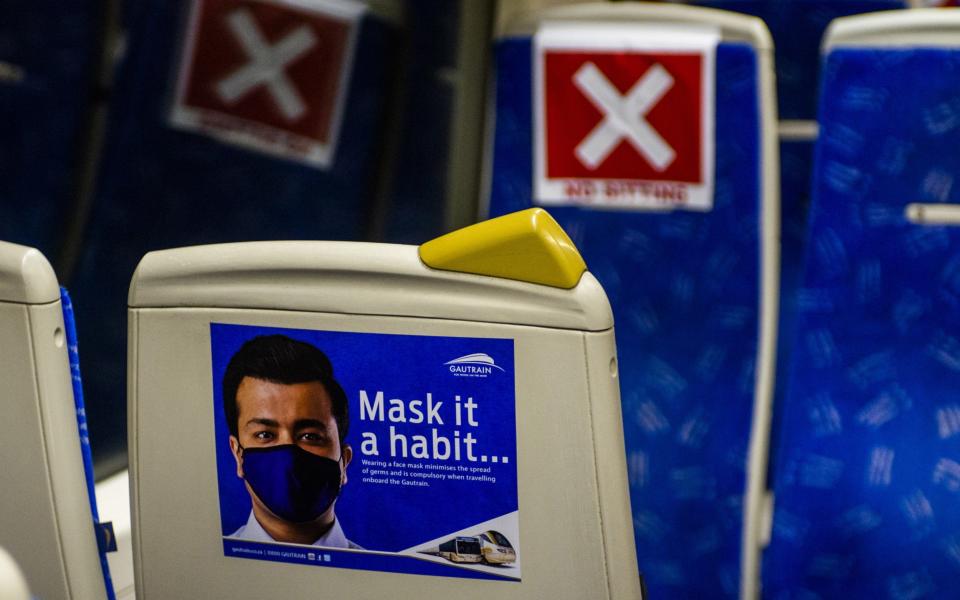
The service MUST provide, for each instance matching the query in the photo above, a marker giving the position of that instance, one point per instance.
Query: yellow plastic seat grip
(526, 246)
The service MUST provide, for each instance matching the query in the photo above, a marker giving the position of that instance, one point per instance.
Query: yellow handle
(527, 246)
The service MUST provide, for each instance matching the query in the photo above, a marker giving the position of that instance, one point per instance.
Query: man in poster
(288, 418)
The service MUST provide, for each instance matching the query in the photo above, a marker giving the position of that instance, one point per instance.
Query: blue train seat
(797, 28)
(796, 166)
(48, 52)
(867, 473)
(685, 286)
(201, 147)
(47, 511)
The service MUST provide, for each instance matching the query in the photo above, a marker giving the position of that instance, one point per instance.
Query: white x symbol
(267, 64)
(624, 116)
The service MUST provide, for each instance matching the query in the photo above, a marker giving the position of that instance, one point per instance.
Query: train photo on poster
(490, 547)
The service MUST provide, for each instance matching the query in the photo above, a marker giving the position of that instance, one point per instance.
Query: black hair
(279, 359)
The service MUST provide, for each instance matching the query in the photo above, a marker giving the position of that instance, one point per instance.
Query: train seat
(398, 422)
(693, 290)
(866, 474)
(797, 28)
(48, 514)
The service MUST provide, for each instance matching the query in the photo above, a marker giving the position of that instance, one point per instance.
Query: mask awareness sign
(624, 116)
(425, 478)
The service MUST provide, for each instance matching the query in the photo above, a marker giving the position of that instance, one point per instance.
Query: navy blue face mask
(296, 485)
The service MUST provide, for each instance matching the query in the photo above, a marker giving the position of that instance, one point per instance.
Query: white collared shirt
(333, 538)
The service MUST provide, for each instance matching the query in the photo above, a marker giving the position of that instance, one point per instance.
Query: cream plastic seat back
(12, 584)
(482, 451)
(45, 518)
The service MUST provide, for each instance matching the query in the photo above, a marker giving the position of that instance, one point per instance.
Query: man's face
(273, 414)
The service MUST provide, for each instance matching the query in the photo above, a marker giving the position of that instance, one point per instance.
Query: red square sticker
(624, 120)
(270, 75)
(623, 115)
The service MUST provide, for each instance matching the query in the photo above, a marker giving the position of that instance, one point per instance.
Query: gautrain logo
(473, 365)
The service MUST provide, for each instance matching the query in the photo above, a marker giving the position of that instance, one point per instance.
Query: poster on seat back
(370, 451)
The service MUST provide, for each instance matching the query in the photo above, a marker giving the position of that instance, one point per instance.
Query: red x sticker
(624, 117)
(269, 75)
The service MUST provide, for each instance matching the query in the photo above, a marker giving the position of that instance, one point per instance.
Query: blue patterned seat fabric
(796, 163)
(797, 27)
(160, 187)
(47, 56)
(73, 353)
(868, 478)
(684, 290)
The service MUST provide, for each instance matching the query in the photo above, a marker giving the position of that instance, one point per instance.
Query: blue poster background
(392, 517)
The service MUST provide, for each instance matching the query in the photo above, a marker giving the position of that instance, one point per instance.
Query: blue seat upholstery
(105, 542)
(161, 187)
(684, 287)
(797, 27)
(868, 469)
(48, 51)
(796, 163)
